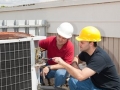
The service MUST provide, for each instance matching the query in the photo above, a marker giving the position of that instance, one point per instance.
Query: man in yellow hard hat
(100, 73)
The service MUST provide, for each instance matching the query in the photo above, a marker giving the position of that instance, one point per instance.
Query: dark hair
(94, 43)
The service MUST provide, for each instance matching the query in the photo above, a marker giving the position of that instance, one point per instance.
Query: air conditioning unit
(17, 64)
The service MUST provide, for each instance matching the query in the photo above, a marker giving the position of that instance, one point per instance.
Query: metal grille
(15, 66)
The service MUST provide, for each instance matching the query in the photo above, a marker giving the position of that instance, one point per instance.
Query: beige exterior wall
(103, 14)
(110, 45)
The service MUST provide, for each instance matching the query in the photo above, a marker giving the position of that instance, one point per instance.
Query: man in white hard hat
(58, 46)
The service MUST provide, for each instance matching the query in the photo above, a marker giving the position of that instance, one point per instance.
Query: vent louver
(15, 66)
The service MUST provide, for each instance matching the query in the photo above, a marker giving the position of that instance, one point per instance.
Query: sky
(19, 2)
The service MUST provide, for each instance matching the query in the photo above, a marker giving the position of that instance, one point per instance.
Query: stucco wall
(103, 14)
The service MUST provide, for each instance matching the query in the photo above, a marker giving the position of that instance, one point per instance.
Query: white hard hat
(65, 30)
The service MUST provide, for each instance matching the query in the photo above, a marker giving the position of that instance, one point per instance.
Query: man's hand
(58, 60)
(75, 62)
(44, 71)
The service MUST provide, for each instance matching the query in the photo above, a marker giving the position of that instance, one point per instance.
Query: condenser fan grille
(15, 66)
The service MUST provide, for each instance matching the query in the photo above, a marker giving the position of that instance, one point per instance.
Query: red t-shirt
(66, 52)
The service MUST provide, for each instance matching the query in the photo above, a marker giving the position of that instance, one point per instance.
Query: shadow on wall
(114, 59)
(111, 46)
(101, 31)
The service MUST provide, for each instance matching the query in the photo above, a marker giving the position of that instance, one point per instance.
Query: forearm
(56, 66)
(74, 72)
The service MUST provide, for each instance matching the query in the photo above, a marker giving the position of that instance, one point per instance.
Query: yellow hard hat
(89, 33)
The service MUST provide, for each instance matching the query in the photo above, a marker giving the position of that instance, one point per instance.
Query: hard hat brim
(62, 34)
(78, 38)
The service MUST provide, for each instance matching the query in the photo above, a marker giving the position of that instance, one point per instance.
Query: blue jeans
(60, 76)
(87, 84)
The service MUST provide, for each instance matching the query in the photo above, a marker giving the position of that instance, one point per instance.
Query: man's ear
(91, 43)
